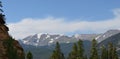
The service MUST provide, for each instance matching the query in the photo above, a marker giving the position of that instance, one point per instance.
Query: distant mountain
(115, 39)
(42, 45)
(85, 36)
(47, 39)
(106, 35)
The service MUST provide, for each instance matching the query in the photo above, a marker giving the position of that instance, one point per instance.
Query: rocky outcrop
(9, 47)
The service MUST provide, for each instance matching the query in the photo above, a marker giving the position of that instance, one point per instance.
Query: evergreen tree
(1, 6)
(57, 54)
(77, 51)
(112, 54)
(94, 52)
(110, 49)
(104, 53)
(73, 53)
(115, 55)
(85, 57)
(29, 55)
(2, 16)
(80, 54)
(11, 51)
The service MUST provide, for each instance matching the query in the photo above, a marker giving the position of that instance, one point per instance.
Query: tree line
(78, 52)
(12, 52)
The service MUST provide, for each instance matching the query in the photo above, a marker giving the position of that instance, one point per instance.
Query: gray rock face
(115, 39)
(86, 36)
(107, 34)
(47, 39)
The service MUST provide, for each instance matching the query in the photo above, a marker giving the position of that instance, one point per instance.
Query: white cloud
(29, 26)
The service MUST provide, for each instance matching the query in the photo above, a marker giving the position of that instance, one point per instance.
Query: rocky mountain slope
(115, 39)
(9, 47)
(107, 34)
(47, 39)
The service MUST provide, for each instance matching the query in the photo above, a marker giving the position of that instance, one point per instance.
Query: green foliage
(115, 55)
(57, 54)
(2, 16)
(112, 54)
(77, 51)
(109, 53)
(104, 53)
(11, 51)
(80, 54)
(1, 6)
(29, 55)
(94, 52)
(85, 57)
(73, 53)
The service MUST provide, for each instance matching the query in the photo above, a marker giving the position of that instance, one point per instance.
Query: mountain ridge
(66, 47)
(43, 39)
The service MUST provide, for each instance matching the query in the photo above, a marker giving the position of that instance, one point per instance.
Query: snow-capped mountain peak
(39, 35)
(85, 36)
(48, 39)
(42, 34)
(77, 35)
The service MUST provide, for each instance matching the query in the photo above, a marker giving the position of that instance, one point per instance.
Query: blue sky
(61, 11)
(89, 10)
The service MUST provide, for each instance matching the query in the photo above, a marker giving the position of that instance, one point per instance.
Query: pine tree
(110, 49)
(115, 55)
(57, 54)
(112, 54)
(80, 54)
(104, 53)
(2, 16)
(85, 57)
(1, 6)
(94, 52)
(29, 55)
(11, 51)
(73, 53)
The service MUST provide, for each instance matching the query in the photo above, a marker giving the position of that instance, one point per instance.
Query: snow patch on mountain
(37, 40)
(25, 42)
(107, 34)
(77, 35)
(85, 36)
(48, 39)
(48, 36)
(51, 41)
(39, 35)
(103, 35)
(67, 42)
(98, 37)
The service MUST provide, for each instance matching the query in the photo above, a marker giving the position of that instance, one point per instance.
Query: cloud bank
(30, 26)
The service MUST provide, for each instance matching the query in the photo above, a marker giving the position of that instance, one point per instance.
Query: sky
(69, 17)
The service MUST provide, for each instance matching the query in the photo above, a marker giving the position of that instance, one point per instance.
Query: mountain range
(42, 45)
